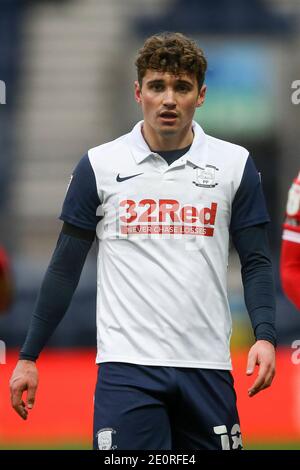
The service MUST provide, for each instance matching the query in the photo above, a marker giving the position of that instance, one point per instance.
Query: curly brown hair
(174, 53)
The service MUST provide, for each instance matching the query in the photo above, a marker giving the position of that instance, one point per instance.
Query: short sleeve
(249, 206)
(82, 199)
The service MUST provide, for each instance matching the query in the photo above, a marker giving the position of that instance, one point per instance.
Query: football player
(162, 202)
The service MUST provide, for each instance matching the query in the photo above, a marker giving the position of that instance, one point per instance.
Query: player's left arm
(259, 292)
(249, 235)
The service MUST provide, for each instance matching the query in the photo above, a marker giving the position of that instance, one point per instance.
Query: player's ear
(201, 96)
(137, 92)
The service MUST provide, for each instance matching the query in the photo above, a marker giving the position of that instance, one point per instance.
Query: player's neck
(157, 141)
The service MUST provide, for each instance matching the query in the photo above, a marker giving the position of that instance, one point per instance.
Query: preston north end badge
(206, 177)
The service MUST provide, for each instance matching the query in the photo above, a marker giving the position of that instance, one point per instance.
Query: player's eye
(156, 86)
(183, 88)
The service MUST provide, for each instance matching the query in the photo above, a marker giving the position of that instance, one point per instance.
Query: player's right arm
(60, 281)
(56, 292)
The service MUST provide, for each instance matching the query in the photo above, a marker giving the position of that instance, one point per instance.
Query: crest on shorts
(206, 177)
(105, 437)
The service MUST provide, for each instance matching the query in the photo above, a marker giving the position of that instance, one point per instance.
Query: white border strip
(291, 236)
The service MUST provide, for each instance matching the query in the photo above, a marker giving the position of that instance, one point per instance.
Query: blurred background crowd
(68, 67)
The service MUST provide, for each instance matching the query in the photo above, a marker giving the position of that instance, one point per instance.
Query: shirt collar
(140, 149)
(137, 143)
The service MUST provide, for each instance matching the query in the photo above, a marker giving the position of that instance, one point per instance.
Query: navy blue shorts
(164, 408)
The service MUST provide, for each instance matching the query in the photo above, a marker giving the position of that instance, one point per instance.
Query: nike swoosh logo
(120, 178)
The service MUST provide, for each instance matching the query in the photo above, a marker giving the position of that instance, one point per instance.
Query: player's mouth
(168, 117)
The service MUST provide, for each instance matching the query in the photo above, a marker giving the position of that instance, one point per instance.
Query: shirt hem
(251, 223)
(164, 363)
(73, 221)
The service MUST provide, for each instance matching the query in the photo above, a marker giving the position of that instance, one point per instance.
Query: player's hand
(24, 378)
(262, 354)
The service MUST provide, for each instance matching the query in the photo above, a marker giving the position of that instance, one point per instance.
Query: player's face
(168, 103)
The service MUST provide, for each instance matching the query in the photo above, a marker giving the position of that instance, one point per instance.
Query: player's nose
(169, 98)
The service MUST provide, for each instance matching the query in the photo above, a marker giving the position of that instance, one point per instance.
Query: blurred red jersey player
(5, 282)
(290, 248)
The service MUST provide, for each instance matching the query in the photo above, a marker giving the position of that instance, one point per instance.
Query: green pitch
(87, 446)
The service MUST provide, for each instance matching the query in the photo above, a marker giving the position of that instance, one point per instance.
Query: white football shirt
(163, 240)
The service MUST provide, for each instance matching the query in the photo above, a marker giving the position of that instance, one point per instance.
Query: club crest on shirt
(206, 177)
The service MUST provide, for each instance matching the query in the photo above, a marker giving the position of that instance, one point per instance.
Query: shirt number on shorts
(235, 435)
